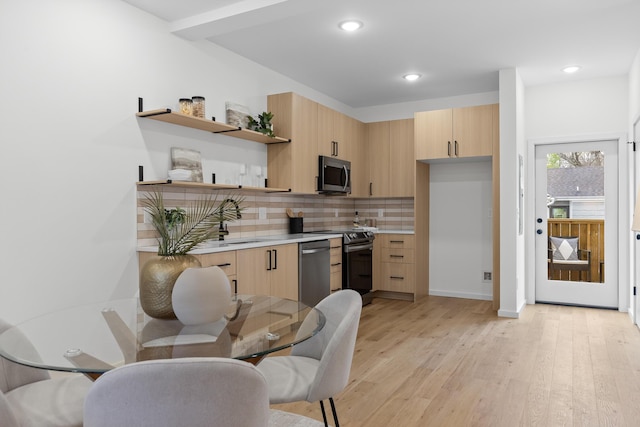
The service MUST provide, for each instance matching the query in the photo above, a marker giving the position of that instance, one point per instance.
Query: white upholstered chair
(319, 367)
(31, 398)
(194, 392)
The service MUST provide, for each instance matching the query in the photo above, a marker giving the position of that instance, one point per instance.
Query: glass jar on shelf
(198, 106)
(186, 106)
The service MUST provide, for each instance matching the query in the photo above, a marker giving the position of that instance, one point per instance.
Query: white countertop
(250, 242)
(261, 241)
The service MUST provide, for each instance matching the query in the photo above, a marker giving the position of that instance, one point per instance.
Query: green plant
(180, 230)
(263, 124)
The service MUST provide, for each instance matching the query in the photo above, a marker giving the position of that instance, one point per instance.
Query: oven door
(357, 273)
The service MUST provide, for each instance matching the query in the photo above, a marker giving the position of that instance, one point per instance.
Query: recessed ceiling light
(571, 69)
(411, 77)
(351, 25)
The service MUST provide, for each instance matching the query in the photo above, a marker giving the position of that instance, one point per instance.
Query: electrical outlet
(380, 213)
(262, 213)
(486, 276)
(146, 217)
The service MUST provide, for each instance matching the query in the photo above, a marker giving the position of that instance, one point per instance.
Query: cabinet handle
(456, 148)
(396, 241)
(371, 188)
(397, 277)
(396, 256)
(449, 148)
(226, 264)
(336, 247)
(336, 148)
(275, 259)
(337, 263)
(235, 286)
(269, 260)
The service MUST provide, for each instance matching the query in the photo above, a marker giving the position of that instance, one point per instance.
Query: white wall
(460, 229)
(580, 110)
(577, 108)
(71, 76)
(512, 286)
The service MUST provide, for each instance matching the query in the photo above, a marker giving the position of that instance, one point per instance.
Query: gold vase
(157, 278)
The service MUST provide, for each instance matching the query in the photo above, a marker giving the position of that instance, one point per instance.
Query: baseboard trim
(465, 295)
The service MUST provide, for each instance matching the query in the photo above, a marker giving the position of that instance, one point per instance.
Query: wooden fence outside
(590, 234)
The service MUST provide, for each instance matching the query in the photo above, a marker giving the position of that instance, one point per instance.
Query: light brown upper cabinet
(359, 161)
(293, 165)
(402, 158)
(378, 156)
(453, 133)
(333, 133)
(389, 150)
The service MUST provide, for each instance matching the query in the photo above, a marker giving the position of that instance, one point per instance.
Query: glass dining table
(94, 338)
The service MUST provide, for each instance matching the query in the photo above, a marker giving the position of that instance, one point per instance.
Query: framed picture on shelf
(185, 158)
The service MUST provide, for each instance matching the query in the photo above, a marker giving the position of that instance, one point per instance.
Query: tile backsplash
(265, 213)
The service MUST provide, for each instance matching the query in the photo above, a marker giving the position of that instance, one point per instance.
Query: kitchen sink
(244, 242)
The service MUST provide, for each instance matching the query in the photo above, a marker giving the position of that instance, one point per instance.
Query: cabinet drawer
(398, 241)
(398, 277)
(406, 256)
(225, 260)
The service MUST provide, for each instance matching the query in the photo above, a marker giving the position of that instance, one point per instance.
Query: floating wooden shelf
(168, 116)
(204, 185)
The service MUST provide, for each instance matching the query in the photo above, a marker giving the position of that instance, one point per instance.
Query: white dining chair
(319, 367)
(194, 392)
(31, 398)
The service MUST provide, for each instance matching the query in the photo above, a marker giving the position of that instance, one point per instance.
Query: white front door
(577, 223)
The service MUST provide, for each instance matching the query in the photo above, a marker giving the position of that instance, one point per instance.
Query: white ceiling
(457, 45)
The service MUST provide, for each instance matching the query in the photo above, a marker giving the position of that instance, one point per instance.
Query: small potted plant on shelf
(263, 124)
(179, 231)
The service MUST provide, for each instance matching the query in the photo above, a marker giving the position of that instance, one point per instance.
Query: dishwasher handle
(314, 251)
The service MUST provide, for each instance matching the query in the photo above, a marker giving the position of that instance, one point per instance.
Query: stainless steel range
(357, 263)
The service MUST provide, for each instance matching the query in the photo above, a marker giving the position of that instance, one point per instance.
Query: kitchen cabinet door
(472, 131)
(271, 270)
(252, 271)
(433, 134)
(401, 158)
(454, 133)
(378, 155)
(333, 132)
(283, 276)
(359, 161)
(293, 165)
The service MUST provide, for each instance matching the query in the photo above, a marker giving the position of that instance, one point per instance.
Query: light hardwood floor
(453, 362)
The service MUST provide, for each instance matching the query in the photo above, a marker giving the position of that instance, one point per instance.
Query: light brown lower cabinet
(394, 263)
(271, 270)
(336, 264)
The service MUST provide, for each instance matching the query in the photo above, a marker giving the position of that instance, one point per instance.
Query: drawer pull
(396, 241)
(336, 247)
(396, 256)
(397, 277)
(337, 263)
(226, 264)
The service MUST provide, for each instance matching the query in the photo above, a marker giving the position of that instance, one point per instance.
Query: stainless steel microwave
(334, 175)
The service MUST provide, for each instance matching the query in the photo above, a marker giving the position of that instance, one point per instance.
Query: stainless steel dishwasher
(314, 271)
